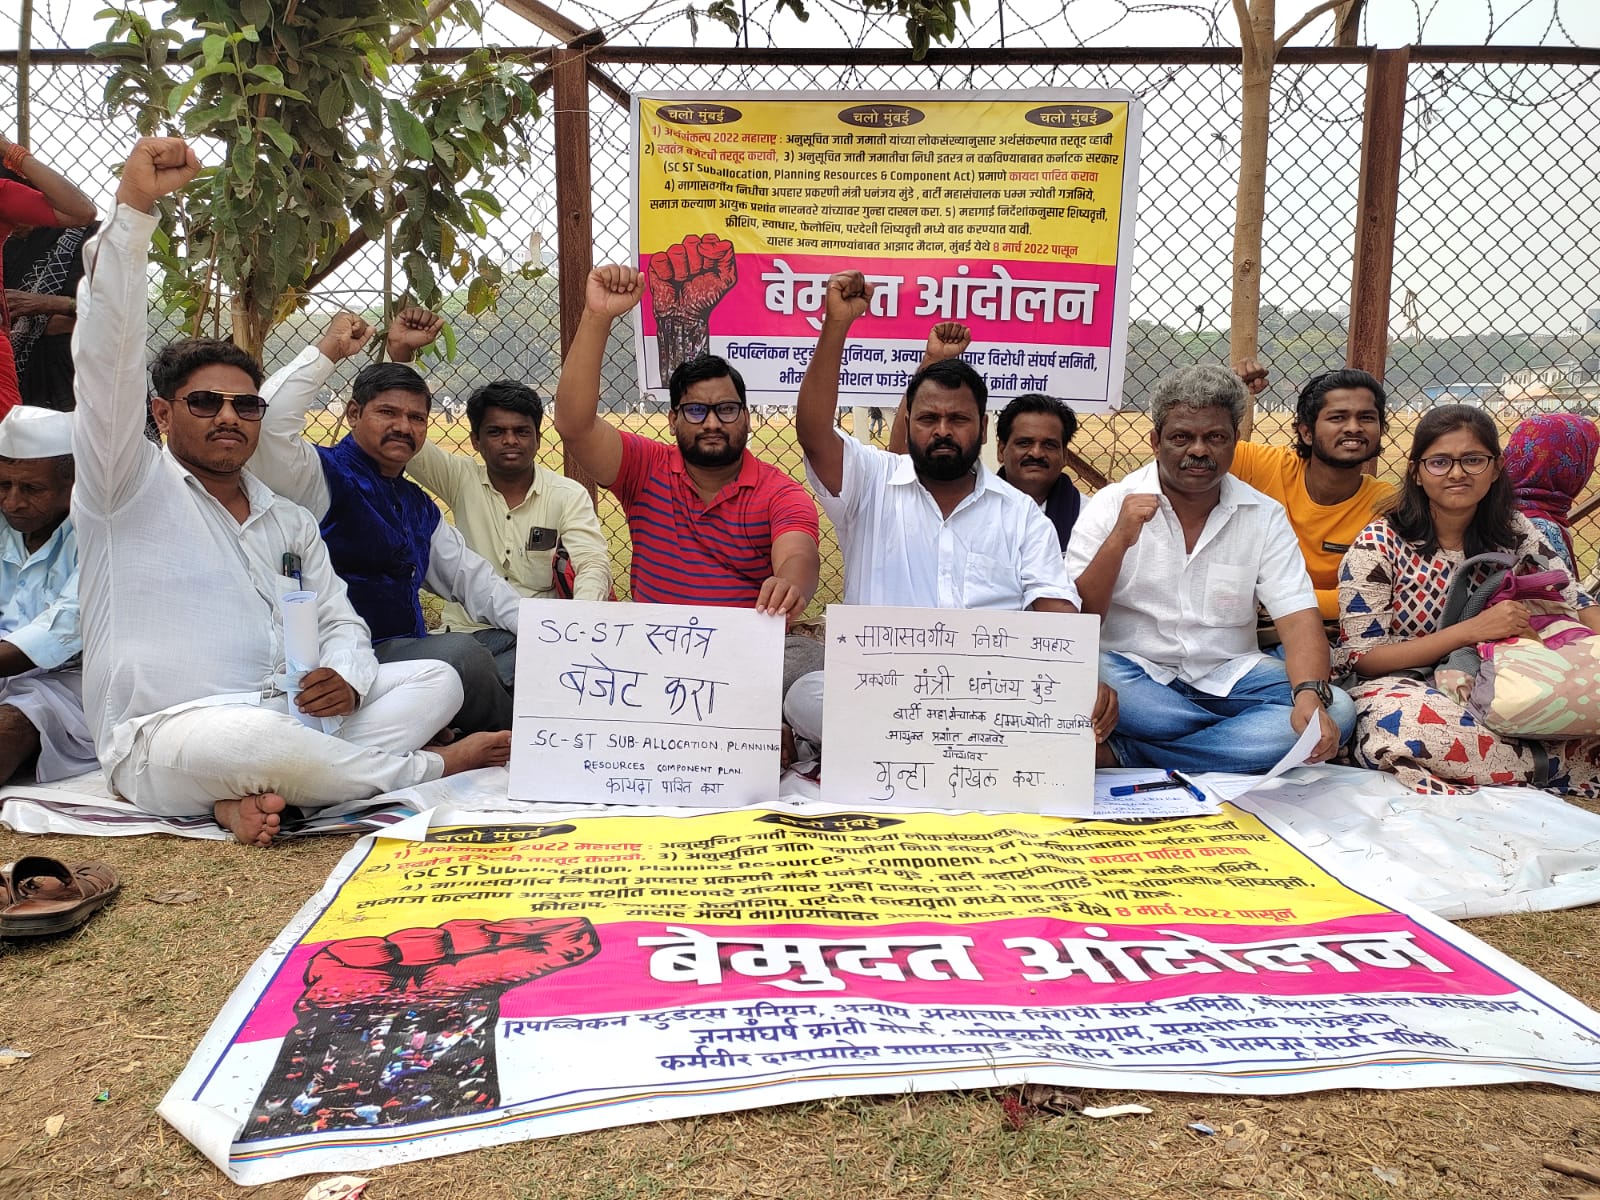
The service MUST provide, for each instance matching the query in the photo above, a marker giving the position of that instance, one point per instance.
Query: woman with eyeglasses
(1455, 502)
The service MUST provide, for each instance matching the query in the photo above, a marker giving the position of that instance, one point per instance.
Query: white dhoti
(182, 763)
(52, 700)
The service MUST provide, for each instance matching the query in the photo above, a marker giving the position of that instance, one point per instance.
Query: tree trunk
(1258, 52)
(249, 329)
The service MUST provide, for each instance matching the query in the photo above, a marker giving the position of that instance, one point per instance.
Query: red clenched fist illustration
(400, 1029)
(686, 282)
(446, 960)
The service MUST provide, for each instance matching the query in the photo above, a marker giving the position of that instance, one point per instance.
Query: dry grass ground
(116, 1009)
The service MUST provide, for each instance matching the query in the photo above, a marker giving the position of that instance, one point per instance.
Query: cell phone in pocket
(540, 538)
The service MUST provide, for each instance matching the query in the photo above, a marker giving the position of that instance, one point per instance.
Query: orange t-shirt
(1325, 531)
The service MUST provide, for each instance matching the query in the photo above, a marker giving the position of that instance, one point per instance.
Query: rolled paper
(302, 652)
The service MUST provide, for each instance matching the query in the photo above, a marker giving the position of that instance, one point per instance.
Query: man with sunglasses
(385, 535)
(184, 556)
(711, 523)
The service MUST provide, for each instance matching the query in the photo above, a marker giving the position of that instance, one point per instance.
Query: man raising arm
(711, 523)
(182, 555)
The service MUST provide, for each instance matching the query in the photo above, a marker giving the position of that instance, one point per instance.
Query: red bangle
(13, 158)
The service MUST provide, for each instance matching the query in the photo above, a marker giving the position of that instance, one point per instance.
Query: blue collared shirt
(39, 596)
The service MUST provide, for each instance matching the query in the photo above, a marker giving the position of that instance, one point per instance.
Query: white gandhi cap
(32, 432)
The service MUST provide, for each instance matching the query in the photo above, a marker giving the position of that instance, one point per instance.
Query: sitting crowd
(1237, 584)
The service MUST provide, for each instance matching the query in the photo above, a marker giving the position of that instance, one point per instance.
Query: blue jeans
(1173, 725)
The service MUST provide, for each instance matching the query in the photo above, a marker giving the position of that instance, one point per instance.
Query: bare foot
(474, 751)
(253, 820)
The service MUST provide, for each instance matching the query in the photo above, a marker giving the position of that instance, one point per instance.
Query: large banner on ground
(1011, 212)
(477, 982)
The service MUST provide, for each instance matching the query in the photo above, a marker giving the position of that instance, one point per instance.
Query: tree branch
(1247, 31)
(436, 9)
(1325, 6)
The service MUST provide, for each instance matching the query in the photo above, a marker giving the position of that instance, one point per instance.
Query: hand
(1137, 510)
(849, 296)
(346, 335)
(1508, 619)
(156, 167)
(688, 279)
(411, 330)
(612, 290)
(780, 598)
(1306, 705)
(1252, 374)
(1107, 711)
(430, 965)
(324, 693)
(35, 304)
(947, 339)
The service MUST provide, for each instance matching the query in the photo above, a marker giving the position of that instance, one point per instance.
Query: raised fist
(399, 1029)
(411, 330)
(345, 335)
(155, 167)
(612, 290)
(947, 339)
(686, 282)
(446, 960)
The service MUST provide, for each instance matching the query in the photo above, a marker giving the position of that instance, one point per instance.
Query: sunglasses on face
(727, 411)
(1472, 464)
(203, 403)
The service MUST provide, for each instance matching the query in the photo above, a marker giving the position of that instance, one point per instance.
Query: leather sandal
(49, 897)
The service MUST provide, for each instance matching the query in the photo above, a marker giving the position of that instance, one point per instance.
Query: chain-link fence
(1495, 287)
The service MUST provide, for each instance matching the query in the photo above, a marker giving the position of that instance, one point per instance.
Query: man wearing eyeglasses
(385, 535)
(184, 555)
(711, 523)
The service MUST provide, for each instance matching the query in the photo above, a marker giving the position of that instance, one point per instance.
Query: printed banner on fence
(945, 708)
(476, 983)
(646, 704)
(1011, 212)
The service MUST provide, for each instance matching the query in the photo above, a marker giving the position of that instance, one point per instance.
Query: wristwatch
(1319, 687)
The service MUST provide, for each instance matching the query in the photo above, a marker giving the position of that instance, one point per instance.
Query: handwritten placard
(646, 704)
(945, 708)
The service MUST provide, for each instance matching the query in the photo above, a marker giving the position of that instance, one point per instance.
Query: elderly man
(184, 556)
(41, 687)
(931, 528)
(385, 536)
(1175, 559)
(537, 528)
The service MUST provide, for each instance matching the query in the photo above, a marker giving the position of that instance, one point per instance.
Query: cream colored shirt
(500, 533)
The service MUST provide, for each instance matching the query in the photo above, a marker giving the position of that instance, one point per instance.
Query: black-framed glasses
(727, 411)
(205, 403)
(1472, 464)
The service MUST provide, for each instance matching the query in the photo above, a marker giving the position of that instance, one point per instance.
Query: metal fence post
(1382, 128)
(574, 201)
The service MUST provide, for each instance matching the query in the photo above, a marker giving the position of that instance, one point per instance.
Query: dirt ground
(111, 1014)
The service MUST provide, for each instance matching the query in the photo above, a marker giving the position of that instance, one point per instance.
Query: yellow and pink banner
(463, 981)
(1010, 212)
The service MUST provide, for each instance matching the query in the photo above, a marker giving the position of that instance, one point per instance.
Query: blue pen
(1171, 784)
(1195, 789)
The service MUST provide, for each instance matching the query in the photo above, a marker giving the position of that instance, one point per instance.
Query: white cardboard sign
(646, 704)
(953, 709)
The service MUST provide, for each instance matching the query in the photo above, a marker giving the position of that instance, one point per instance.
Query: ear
(161, 409)
(1155, 439)
(1304, 432)
(352, 411)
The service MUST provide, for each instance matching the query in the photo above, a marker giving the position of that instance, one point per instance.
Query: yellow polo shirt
(500, 533)
(1325, 531)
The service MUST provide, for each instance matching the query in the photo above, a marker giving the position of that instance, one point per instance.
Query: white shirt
(1192, 616)
(39, 596)
(996, 549)
(179, 600)
(291, 466)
